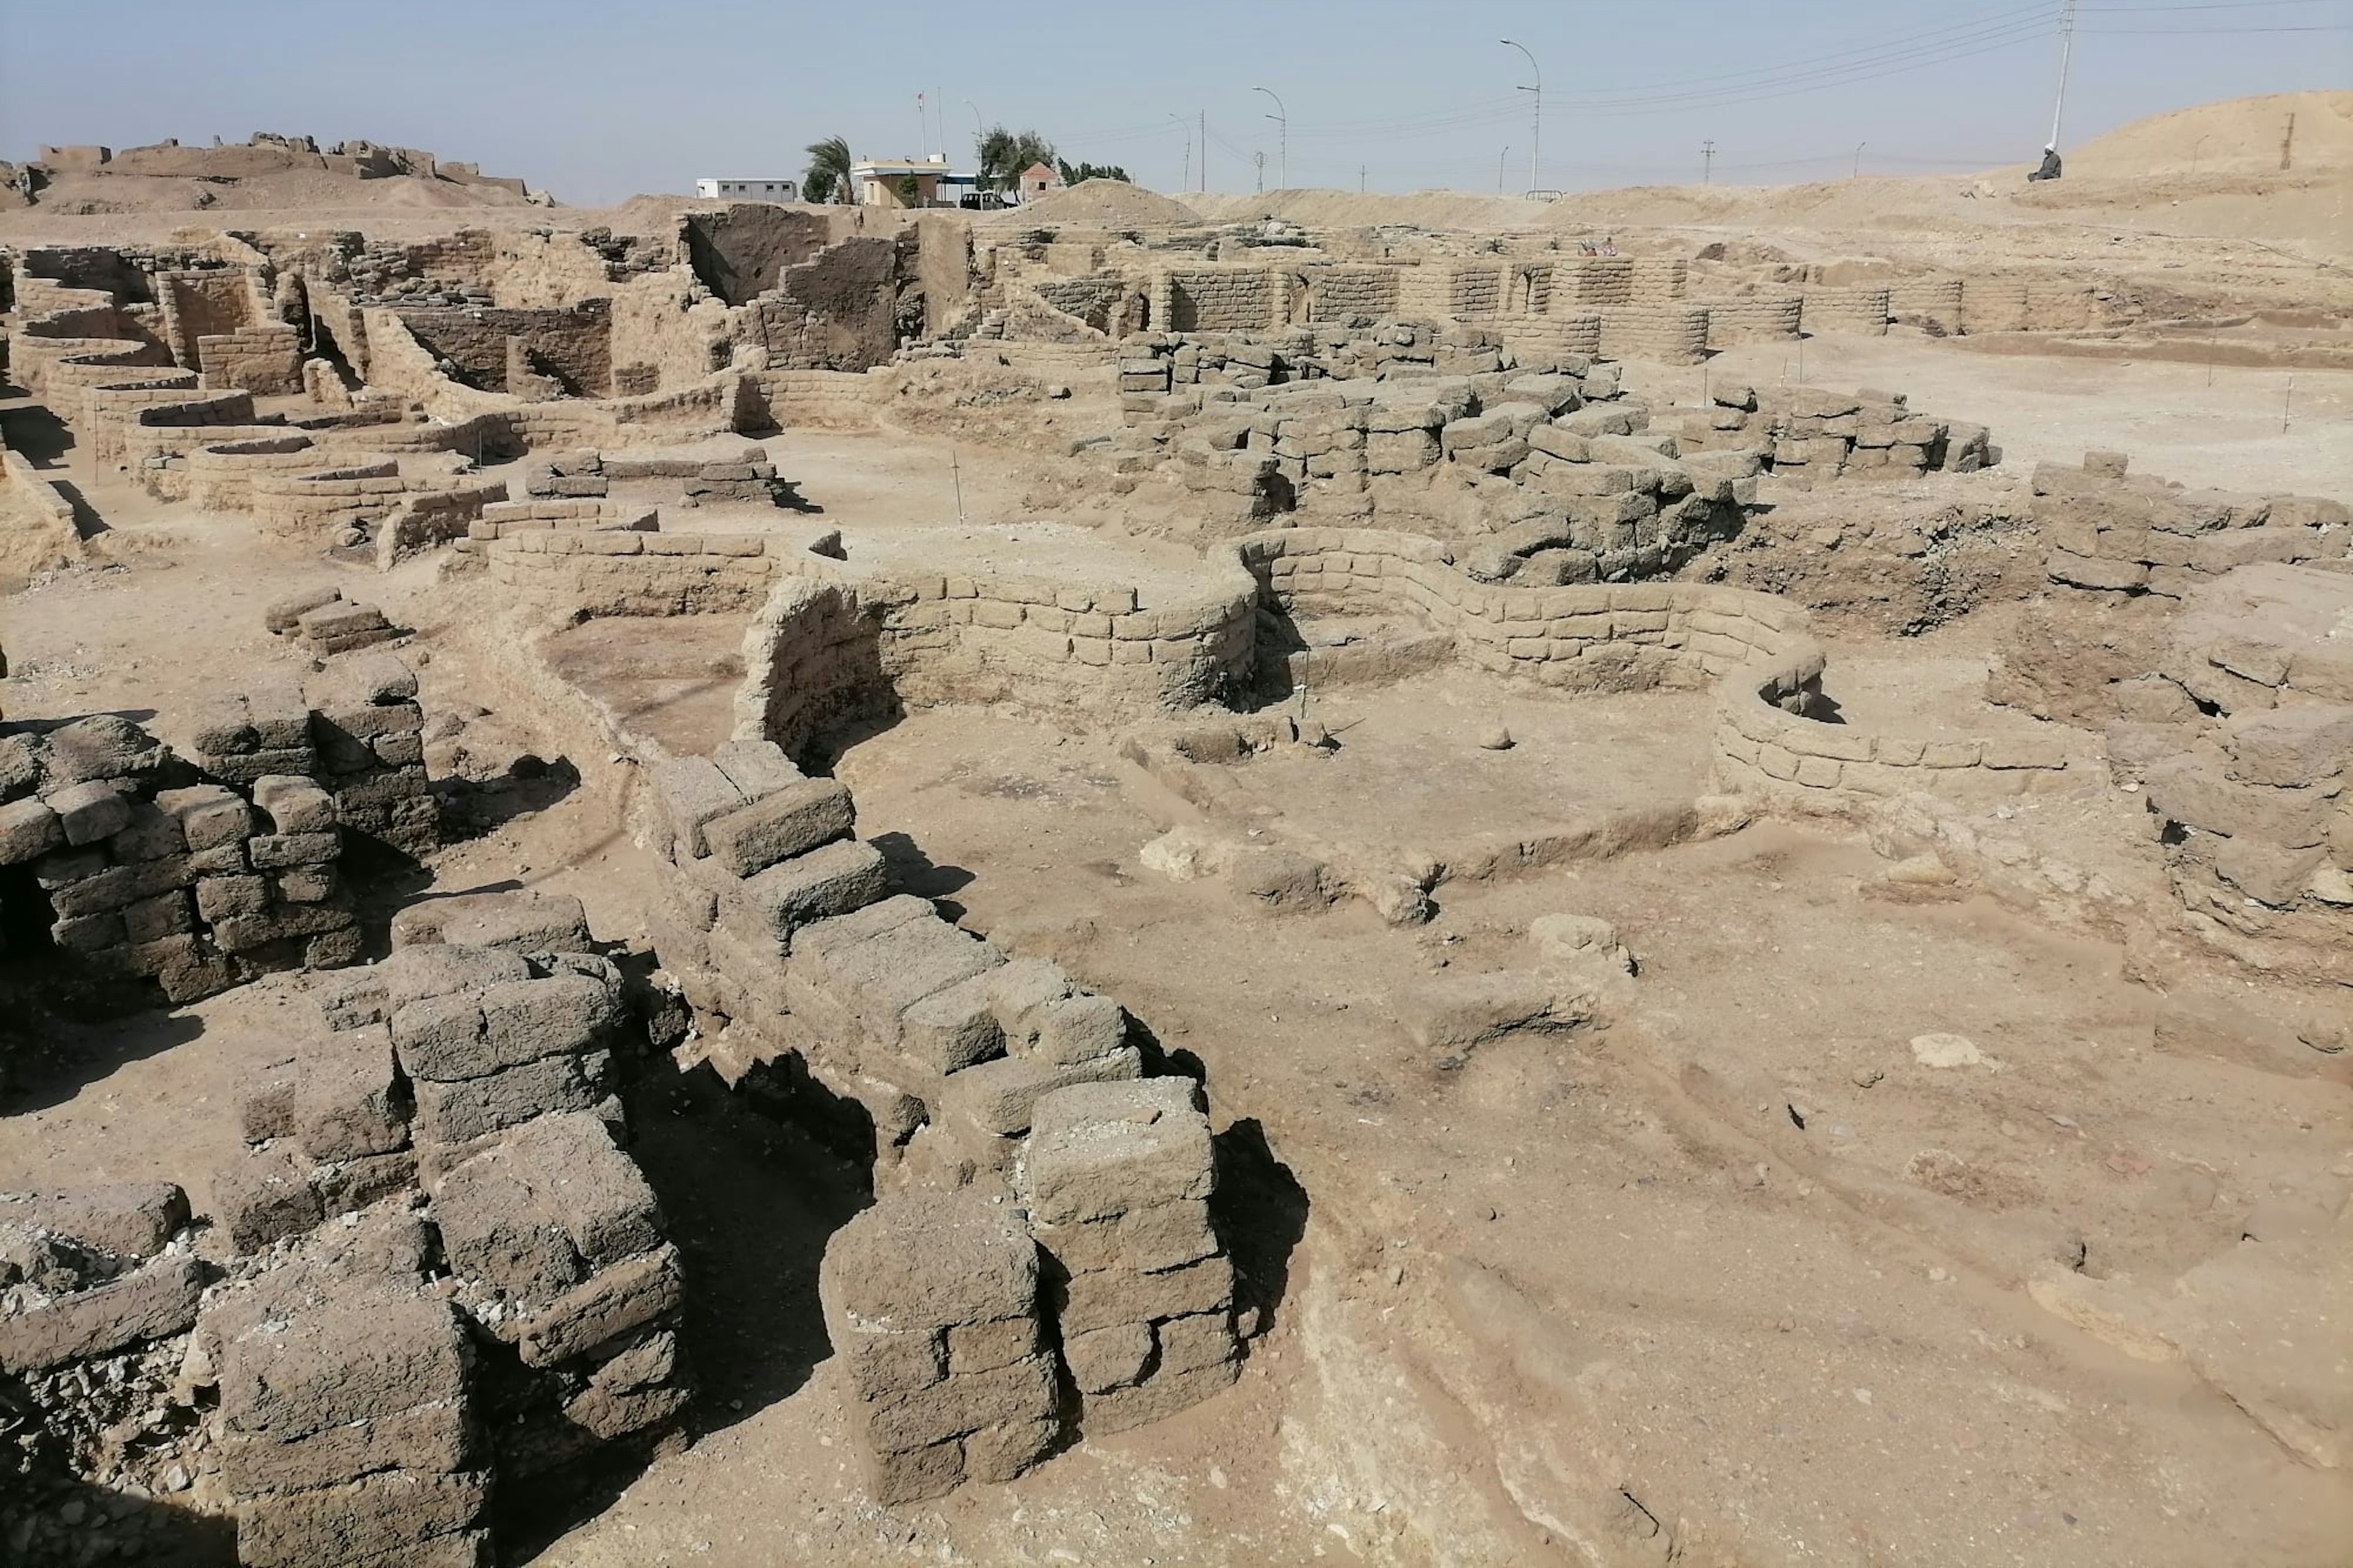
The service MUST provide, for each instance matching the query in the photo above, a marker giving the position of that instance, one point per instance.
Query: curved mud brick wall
(221, 476)
(820, 648)
(437, 517)
(1933, 304)
(601, 569)
(1665, 333)
(1753, 321)
(310, 503)
(1860, 312)
(110, 403)
(1640, 635)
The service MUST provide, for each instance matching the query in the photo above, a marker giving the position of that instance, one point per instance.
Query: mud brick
(608, 1415)
(694, 791)
(524, 1021)
(459, 1111)
(580, 1175)
(218, 897)
(28, 828)
(130, 1219)
(335, 948)
(1112, 1296)
(261, 1198)
(1158, 1397)
(394, 1515)
(353, 1357)
(429, 1438)
(398, 751)
(348, 1100)
(306, 884)
(1103, 1149)
(1023, 1390)
(367, 723)
(338, 618)
(1076, 1028)
(612, 1302)
(495, 1230)
(153, 1301)
(276, 851)
(282, 614)
(999, 1097)
(88, 812)
(247, 768)
(1159, 1236)
(1104, 1359)
(915, 1262)
(932, 1471)
(384, 787)
(985, 1347)
(515, 923)
(280, 715)
(757, 768)
(874, 982)
(241, 934)
(294, 804)
(953, 1028)
(348, 1185)
(792, 821)
(90, 933)
(118, 885)
(62, 867)
(152, 919)
(834, 879)
(380, 679)
(210, 817)
(150, 835)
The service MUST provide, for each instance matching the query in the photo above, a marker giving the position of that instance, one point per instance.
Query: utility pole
(1205, 151)
(1535, 139)
(1187, 126)
(1707, 163)
(1499, 167)
(2287, 142)
(1259, 159)
(1858, 159)
(1360, 179)
(2066, 54)
(1281, 117)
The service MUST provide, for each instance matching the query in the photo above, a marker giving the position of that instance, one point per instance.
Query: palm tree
(1004, 154)
(828, 179)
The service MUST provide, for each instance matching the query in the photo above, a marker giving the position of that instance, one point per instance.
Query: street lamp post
(1187, 126)
(1281, 117)
(1536, 138)
(1499, 167)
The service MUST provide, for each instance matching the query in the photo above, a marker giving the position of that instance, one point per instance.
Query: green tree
(828, 179)
(1003, 155)
(1073, 174)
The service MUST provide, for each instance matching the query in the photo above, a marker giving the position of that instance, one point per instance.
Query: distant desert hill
(2237, 135)
(278, 173)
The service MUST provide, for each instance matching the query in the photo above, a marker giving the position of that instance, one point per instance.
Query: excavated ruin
(556, 809)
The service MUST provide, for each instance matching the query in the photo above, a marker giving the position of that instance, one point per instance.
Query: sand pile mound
(2238, 136)
(1112, 202)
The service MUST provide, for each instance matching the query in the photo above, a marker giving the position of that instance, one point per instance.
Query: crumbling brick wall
(843, 309)
(574, 345)
(741, 252)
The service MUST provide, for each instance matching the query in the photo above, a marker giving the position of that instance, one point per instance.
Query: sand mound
(1103, 202)
(2240, 135)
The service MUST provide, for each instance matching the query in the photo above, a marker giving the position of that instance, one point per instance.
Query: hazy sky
(597, 100)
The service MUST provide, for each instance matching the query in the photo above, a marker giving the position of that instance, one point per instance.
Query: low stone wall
(2119, 534)
(1854, 312)
(1751, 646)
(1766, 319)
(38, 530)
(266, 358)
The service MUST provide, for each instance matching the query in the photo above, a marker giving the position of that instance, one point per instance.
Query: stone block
(834, 879)
(348, 1102)
(210, 816)
(393, 1517)
(611, 1303)
(28, 828)
(1112, 1296)
(461, 1112)
(522, 921)
(999, 1097)
(263, 1199)
(915, 1262)
(294, 804)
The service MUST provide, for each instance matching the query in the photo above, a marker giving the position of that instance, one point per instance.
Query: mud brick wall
(220, 476)
(1115, 1179)
(621, 572)
(1931, 303)
(1475, 290)
(313, 504)
(198, 887)
(1750, 321)
(1667, 334)
(931, 1301)
(368, 731)
(838, 310)
(265, 358)
(1216, 298)
(575, 345)
(1339, 293)
(1550, 341)
(2115, 534)
(1859, 311)
(203, 303)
